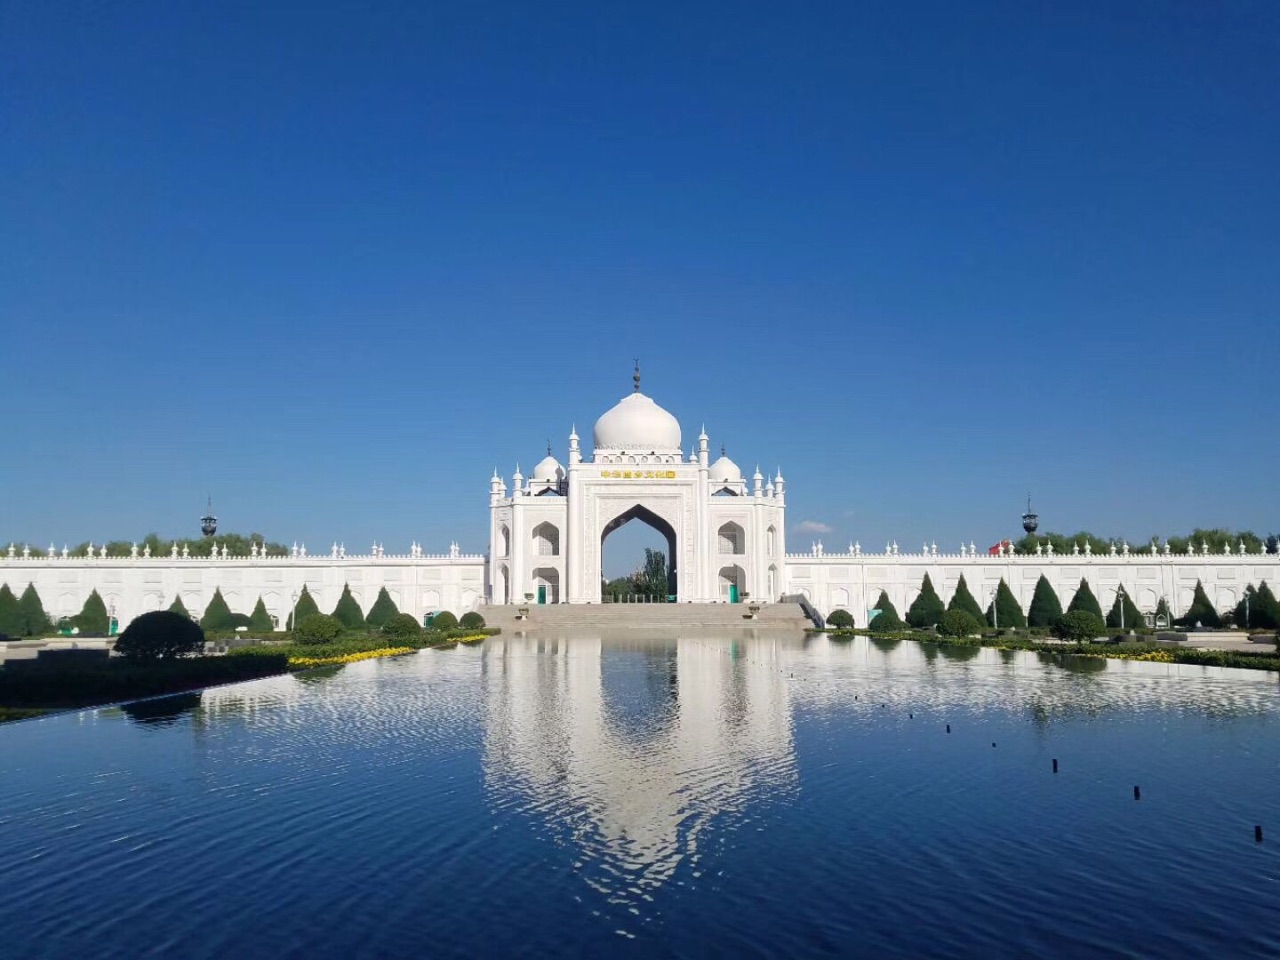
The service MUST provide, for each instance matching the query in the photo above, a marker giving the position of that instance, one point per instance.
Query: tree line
(25, 616)
(237, 544)
(1258, 608)
(1217, 539)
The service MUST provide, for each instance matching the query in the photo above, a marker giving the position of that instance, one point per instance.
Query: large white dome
(637, 425)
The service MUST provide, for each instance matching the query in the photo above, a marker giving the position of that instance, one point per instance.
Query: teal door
(542, 593)
(733, 593)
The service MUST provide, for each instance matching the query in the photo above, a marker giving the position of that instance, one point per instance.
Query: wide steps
(773, 615)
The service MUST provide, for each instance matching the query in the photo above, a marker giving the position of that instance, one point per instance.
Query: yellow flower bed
(1153, 656)
(476, 638)
(305, 663)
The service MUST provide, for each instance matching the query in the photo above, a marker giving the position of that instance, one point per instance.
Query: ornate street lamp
(209, 523)
(1030, 522)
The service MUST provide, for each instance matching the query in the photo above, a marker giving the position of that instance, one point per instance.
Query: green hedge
(118, 679)
(1261, 660)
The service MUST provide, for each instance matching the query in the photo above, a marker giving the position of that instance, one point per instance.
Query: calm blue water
(697, 797)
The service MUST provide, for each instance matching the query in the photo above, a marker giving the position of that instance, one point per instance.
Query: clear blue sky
(334, 267)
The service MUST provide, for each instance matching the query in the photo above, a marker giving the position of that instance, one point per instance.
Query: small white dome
(637, 425)
(725, 471)
(548, 470)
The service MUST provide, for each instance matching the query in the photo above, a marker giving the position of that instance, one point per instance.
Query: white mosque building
(725, 538)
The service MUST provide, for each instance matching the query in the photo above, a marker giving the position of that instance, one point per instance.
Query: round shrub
(160, 635)
(1079, 625)
(444, 621)
(317, 628)
(471, 620)
(840, 619)
(958, 623)
(402, 626)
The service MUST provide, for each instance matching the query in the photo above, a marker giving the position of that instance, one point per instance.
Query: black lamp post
(1030, 522)
(209, 523)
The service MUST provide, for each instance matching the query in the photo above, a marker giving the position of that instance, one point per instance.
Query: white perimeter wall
(132, 587)
(853, 582)
(419, 584)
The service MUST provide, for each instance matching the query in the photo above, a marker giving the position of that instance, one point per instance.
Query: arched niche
(731, 539)
(546, 540)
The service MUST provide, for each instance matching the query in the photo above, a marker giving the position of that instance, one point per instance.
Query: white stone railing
(931, 552)
(17, 554)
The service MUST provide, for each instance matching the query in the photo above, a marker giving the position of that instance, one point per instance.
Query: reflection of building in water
(637, 748)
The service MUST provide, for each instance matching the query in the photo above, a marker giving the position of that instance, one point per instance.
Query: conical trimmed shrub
(1133, 618)
(348, 612)
(1201, 611)
(1162, 610)
(1046, 608)
(1269, 608)
(962, 599)
(1260, 612)
(926, 609)
(217, 616)
(887, 619)
(1005, 612)
(383, 609)
(12, 622)
(92, 617)
(260, 621)
(36, 621)
(179, 607)
(1085, 600)
(305, 607)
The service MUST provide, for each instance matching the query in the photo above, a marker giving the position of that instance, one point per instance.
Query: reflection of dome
(548, 470)
(638, 425)
(725, 471)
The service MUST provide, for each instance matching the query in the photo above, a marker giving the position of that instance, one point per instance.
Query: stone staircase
(771, 616)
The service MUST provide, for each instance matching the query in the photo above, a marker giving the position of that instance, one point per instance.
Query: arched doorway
(732, 583)
(546, 585)
(666, 540)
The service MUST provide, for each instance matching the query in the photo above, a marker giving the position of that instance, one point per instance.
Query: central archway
(655, 522)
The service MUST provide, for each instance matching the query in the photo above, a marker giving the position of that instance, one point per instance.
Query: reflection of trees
(1042, 685)
(885, 644)
(959, 652)
(161, 711)
(1073, 663)
(319, 674)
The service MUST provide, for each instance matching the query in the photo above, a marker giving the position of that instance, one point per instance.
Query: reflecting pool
(694, 795)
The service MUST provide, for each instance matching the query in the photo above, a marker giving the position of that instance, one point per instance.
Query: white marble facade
(853, 580)
(725, 533)
(131, 586)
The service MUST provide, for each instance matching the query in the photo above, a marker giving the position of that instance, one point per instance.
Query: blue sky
(333, 267)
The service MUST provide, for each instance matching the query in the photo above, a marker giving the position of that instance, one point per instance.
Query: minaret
(780, 486)
(575, 453)
(517, 582)
(757, 482)
(495, 488)
(704, 454)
